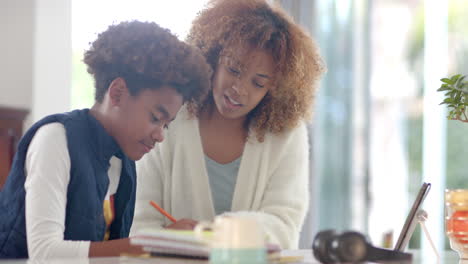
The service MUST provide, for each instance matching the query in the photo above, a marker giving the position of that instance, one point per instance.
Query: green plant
(456, 97)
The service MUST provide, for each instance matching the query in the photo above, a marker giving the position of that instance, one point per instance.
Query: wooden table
(448, 258)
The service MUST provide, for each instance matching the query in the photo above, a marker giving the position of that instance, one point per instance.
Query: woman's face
(241, 80)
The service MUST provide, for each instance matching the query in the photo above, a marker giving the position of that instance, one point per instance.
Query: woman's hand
(183, 224)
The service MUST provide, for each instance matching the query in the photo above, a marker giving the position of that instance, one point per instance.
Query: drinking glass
(456, 220)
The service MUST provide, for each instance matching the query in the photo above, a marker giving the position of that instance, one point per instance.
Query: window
(378, 130)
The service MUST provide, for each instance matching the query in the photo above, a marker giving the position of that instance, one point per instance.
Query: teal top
(222, 183)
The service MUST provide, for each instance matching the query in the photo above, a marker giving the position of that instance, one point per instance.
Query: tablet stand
(421, 216)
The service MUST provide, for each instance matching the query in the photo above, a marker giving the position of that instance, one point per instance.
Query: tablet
(411, 221)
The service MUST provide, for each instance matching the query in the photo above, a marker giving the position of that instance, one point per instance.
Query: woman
(244, 149)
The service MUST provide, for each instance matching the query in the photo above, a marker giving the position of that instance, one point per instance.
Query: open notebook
(172, 242)
(165, 242)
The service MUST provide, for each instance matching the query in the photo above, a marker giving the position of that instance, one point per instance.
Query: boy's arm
(48, 173)
(47, 168)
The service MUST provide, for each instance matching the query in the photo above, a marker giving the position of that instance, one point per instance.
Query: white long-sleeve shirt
(271, 186)
(47, 170)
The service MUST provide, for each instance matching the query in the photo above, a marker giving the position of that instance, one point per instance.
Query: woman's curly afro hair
(226, 24)
(147, 56)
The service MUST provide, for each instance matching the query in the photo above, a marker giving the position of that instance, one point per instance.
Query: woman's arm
(286, 194)
(149, 188)
(151, 173)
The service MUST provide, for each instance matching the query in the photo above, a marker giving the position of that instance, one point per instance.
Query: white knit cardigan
(272, 183)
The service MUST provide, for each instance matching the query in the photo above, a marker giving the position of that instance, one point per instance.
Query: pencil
(162, 211)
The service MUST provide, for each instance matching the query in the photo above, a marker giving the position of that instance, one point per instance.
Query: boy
(71, 190)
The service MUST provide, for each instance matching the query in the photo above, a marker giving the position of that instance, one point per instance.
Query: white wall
(35, 43)
(16, 47)
(52, 58)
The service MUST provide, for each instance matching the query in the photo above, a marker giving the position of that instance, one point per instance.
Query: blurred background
(378, 131)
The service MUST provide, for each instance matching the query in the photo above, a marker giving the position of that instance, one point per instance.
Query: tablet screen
(411, 221)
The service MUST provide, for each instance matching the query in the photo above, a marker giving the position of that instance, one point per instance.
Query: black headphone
(353, 247)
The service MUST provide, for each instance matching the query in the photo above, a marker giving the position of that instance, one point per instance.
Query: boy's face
(139, 121)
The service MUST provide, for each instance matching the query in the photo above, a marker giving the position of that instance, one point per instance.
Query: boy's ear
(117, 91)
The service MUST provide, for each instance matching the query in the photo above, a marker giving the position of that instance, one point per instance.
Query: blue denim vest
(90, 148)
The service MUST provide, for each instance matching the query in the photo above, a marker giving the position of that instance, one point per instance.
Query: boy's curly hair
(226, 24)
(147, 56)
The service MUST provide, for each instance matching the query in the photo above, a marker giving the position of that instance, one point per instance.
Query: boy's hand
(115, 247)
(183, 224)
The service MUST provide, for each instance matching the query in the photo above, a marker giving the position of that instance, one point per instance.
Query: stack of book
(181, 244)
